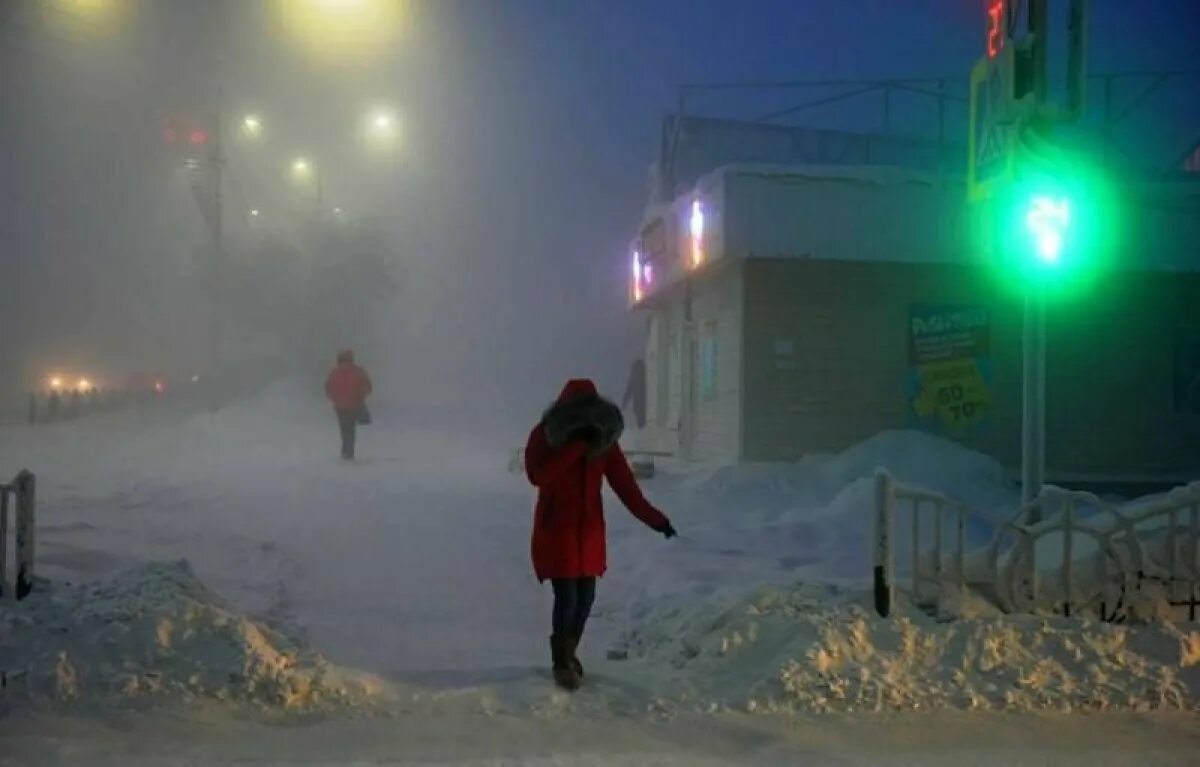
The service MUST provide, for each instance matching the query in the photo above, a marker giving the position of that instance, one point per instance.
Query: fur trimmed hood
(581, 413)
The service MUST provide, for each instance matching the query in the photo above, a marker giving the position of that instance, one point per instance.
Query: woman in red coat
(568, 456)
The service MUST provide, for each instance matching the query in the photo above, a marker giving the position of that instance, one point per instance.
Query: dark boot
(572, 656)
(564, 673)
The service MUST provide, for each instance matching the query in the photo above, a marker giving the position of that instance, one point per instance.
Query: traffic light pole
(1033, 420)
(1033, 417)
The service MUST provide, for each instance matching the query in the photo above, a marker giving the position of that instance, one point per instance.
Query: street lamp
(252, 126)
(304, 173)
(342, 29)
(302, 170)
(382, 129)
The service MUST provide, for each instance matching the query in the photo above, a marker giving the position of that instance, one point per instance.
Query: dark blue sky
(569, 97)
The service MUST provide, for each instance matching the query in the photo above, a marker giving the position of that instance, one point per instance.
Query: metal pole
(1033, 424)
(941, 131)
(218, 161)
(1108, 120)
(1038, 29)
(883, 543)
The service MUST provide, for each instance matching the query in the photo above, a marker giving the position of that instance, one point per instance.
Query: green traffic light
(1048, 220)
(1056, 226)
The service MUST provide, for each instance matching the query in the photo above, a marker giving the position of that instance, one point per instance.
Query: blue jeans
(573, 598)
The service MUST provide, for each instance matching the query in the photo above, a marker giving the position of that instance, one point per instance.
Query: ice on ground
(157, 632)
(820, 647)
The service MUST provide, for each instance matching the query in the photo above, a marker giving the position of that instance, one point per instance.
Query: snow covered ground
(385, 612)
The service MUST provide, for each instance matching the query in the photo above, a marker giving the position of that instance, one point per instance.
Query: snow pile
(820, 648)
(155, 630)
(758, 524)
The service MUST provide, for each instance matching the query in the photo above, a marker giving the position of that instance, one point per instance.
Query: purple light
(648, 274)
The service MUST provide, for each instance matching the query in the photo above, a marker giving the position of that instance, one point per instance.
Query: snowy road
(412, 560)
(413, 564)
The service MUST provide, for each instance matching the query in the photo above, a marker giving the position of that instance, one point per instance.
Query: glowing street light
(342, 29)
(382, 128)
(84, 385)
(252, 126)
(302, 170)
(56, 383)
(254, 212)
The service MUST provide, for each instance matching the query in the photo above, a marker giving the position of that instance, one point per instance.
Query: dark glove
(667, 530)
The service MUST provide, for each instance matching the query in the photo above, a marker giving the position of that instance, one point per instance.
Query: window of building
(708, 361)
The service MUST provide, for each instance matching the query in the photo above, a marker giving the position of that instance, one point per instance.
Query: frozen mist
(214, 197)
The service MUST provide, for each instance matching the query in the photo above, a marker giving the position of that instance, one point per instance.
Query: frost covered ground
(222, 590)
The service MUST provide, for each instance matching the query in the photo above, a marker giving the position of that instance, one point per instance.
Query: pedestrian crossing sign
(991, 143)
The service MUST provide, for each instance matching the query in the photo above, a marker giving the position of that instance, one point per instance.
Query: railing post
(960, 535)
(26, 488)
(1068, 528)
(1195, 563)
(1171, 555)
(883, 543)
(1030, 545)
(6, 591)
(937, 543)
(916, 550)
(1102, 574)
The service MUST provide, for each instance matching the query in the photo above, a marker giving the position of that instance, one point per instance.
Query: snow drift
(155, 631)
(820, 648)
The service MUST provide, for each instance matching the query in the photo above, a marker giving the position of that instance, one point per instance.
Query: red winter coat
(568, 521)
(347, 387)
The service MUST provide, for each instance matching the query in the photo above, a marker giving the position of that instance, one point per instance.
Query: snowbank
(156, 631)
(820, 648)
(750, 525)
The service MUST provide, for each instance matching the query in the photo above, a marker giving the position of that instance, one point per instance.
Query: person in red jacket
(347, 388)
(569, 454)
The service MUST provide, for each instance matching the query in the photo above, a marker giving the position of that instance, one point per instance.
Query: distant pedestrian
(347, 388)
(635, 392)
(569, 454)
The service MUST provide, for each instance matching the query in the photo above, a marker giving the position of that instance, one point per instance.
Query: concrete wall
(1110, 364)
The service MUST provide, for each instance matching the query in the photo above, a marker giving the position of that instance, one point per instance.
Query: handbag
(363, 416)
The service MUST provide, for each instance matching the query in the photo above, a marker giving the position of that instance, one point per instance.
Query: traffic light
(1057, 225)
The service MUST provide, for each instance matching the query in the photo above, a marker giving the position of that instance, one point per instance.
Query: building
(798, 308)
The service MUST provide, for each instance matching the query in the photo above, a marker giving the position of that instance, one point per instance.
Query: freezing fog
(448, 189)
(205, 205)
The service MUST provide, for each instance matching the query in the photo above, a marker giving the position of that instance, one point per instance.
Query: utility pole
(218, 235)
(218, 215)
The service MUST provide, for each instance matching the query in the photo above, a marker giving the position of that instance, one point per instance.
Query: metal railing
(21, 493)
(888, 495)
(1133, 545)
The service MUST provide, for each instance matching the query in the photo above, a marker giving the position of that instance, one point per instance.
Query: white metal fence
(1064, 551)
(21, 494)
